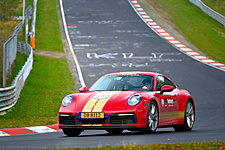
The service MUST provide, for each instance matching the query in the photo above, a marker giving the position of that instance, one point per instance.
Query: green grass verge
(185, 146)
(16, 67)
(200, 29)
(48, 36)
(49, 81)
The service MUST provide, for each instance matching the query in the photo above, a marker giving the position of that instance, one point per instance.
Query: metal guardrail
(10, 51)
(10, 45)
(10, 95)
(215, 15)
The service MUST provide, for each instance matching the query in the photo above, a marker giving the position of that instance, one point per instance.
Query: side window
(163, 81)
(160, 83)
(168, 82)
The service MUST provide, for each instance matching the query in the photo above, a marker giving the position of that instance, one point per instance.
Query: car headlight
(67, 100)
(134, 100)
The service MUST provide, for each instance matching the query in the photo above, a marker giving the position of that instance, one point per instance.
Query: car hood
(101, 101)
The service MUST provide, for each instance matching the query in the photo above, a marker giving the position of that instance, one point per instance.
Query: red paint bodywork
(168, 115)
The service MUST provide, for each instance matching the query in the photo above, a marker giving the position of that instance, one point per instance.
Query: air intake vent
(122, 119)
(93, 121)
(66, 119)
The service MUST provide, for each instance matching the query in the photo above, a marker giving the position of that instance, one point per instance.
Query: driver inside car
(147, 84)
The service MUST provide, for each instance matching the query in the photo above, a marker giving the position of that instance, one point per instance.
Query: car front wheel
(152, 117)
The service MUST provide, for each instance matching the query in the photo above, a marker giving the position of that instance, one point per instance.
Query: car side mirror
(83, 89)
(166, 88)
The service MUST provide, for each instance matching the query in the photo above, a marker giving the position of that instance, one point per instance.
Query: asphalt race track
(108, 36)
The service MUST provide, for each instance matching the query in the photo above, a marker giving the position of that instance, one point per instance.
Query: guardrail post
(32, 34)
(28, 14)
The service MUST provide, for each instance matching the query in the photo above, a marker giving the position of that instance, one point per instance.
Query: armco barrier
(9, 52)
(10, 95)
(215, 15)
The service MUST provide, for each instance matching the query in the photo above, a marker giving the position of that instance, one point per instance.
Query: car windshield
(124, 83)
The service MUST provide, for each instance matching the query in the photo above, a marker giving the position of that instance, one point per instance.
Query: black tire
(189, 118)
(152, 118)
(72, 132)
(114, 131)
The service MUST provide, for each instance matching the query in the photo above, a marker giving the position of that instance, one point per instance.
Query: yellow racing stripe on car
(86, 125)
(97, 103)
(96, 125)
(100, 104)
(171, 115)
(89, 105)
(89, 125)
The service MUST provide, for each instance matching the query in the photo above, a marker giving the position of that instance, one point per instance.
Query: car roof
(134, 72)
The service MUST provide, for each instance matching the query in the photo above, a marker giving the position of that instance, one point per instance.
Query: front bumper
(126, 121)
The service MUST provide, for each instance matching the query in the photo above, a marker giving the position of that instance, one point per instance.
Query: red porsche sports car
(134, 101)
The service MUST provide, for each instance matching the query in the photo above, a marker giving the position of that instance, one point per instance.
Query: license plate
(91, 115)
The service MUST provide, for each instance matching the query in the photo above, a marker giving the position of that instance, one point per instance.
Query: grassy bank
(50, 79)
(204, 32)
(16, 67)
(217, 5)
(185, 146)
(48, 35)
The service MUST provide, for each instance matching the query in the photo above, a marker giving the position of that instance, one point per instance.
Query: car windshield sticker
(105, 95)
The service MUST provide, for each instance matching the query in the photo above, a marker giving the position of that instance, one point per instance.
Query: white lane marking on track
(142, 13)
(200, 57)
(152, 23)
(139, 9)
(208, 60)
(136, 5)
(70, 46)
(41, 129)
(174, 42)
(219, 64)
(3, 133)
(161, 30)
(169, 38)
(193, 53)
(148, 19)
(164, 34)
(107, 55)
